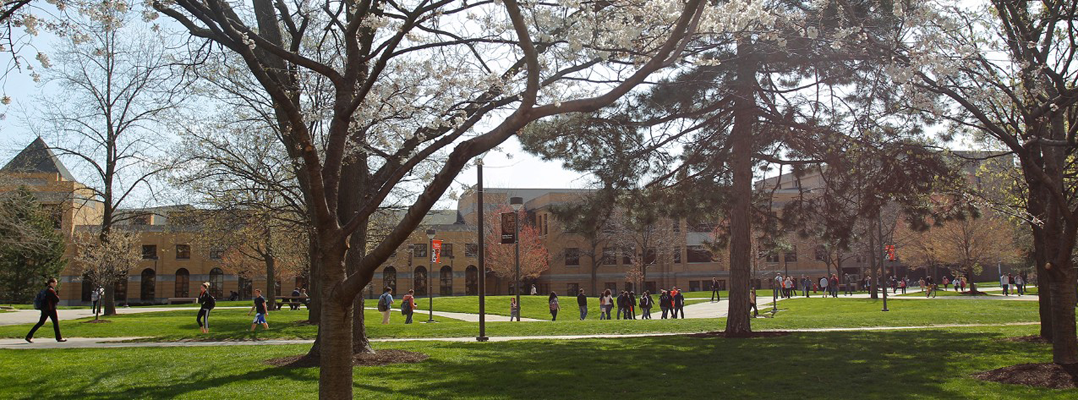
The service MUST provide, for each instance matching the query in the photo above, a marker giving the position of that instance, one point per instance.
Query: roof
(37, 158)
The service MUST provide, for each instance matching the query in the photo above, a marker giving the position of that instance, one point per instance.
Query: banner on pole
(435, 251)
(509, 228)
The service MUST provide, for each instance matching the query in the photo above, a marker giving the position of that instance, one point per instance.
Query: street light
(517, 203)
(482, 249)
(430, 293)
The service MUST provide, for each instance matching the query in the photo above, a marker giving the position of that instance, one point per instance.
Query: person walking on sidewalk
(752, 303)
(632, 305)
(806, 285)
(664, 302)
(514, 309)
(205, 298)
(715, 290)
(823, 286)
(582, 301)
(46, 301)
(260, 311)
(679, 303)
(645, 304)
(849, 285)
(95, 299)
(385, 304)
(1020, 284)
(554, 306)
(622, 303)
(1003, 284)
(605, 303)
(408, 306)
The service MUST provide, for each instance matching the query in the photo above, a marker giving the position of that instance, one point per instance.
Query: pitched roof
(37, 158)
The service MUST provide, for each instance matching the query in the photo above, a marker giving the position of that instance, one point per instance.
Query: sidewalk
(19, 317)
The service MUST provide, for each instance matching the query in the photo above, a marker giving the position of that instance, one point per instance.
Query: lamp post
(517, 203)
(430, 293)
(482, 249)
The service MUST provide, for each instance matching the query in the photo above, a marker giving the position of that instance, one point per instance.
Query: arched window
(183, 282)
(120, 290)
(149, 285)
(87, 288)
(389, 279)
(471, 280)
(217, 283)
(419, 281)
(446, 280)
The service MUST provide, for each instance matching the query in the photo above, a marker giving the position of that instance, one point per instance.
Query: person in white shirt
(1003, 284)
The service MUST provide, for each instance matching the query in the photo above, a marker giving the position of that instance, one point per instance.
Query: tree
(105, 259)
(1006, 73)
(650, 239)
(31, 250)
(118, 84)
(409, 81)
(968, 244)
(501, 258)
(587, 218)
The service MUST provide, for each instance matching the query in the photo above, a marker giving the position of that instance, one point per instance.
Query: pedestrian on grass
(834, 286)
(605, 303)
(645, 304)
(554, 306)
(260, 311)
(622, 303)
(849, 285)
(582, 301)
(534, 291)
(385, 304)
(806, 284)
(1003, 284)
(46, 302)
(408, 306)
(823, 286)
(946, 282)
(921, 283)
(679, 303)
(205, 298)
(902, 285)
(752, 303)
(514, 309)
(664, 302)
(632, 305)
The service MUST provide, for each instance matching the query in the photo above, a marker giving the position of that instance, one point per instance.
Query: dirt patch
(1027, 339)
(382, 357)
(750, 335)
(96, 321)
(1047, 375)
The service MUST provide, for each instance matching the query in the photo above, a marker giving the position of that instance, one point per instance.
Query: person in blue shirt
(260, 311)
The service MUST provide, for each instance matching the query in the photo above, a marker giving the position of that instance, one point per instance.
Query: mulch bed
(1027, 339)
(382, 357)
(1047, 375)
(96, 321)
(750, 335)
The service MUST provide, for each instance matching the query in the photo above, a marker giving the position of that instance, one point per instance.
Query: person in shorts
(260, 311)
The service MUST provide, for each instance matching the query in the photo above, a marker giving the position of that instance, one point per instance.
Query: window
(773, 257)
(546, 227)
(120, 293)
(419, 250)
(650, 256)
(821, 253)
(677, 226)
(626, 255)
(389, 279)
(149, 252)
(791, 256)
(609, 256)
(471, 280)
(471, 250)
(217, 282)
(611, 286)
(694, 286)
(419, 281)
(698, 254)
(216, 253)
(572, 256)
(447, 250)
(572, 289)
(650, 286)
(183, 252)
(446, 280)
(700, 226)
(677, 254)
(183, 282)
(148, 285)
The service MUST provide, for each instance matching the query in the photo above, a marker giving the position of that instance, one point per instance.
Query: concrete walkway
(19, 317)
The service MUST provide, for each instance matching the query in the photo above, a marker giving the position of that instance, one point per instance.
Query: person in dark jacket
(631, 312)
(582, 301)
(554, 306)
(645, 304)
(664, 302)
(48, 311)
(679, 304)
(622, 301)
(208, 302)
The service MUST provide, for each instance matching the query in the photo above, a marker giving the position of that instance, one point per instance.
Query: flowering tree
(969, 244)
(501, 258)
(107, 258)
(411, 80)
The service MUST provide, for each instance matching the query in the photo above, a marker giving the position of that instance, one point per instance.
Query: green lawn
(922, 364)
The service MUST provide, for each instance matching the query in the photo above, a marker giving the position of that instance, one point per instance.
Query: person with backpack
(664, 302)
(259, 308)
(582, 301)
(554, 306)
(385, 303)
(408, 306)
(46, 301)
(208, 303)
(679, 303)
(645, 304)
(95, 299)
(621, 303)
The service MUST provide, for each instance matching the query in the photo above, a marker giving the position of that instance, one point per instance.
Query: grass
(923, 364)
(796, 313)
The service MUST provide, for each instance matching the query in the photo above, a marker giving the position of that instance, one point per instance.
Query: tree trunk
(1044, 302)
(314, 285)
(271, 280)
(873, 273)
(741, 150)
(335, 361)
(1064, 342)
(110, 299)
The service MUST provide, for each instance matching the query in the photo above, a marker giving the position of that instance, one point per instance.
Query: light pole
(430, 293)
(482, 249)
(517, 203)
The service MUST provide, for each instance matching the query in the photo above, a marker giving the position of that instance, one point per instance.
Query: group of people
(1012, 283)
(207, 303)
(789, 285)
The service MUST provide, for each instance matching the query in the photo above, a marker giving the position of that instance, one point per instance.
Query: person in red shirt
(408, 306)
(48, 311)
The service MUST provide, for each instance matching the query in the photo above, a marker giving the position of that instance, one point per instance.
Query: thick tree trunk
(1044, 302)
(1064, 342)
(873, 272)
(271, 280)
(335, 361)
(314, 285)
(741, 150)
(110, 299)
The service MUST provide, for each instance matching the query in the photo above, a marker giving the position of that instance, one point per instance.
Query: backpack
(553, 305)
(39, 300)
(383, 304)
(210, 302)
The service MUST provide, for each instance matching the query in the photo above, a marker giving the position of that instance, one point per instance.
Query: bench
(182, 300)
(282, 301)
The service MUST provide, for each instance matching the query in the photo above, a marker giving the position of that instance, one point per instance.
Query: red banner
(436, 251)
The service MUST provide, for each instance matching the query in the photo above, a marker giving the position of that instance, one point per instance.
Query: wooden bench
(182, 300)
(282, 301)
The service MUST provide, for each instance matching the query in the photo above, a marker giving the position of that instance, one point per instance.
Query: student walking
(622, 302)
(664, 302)
(554, 306)
(752, 303)
(46, 301)
(605, 304)
(679, 303)
(1020, 284)
(385, 303)
(260, 311)
(715, 290)
(582, 301)
(1003, 284)
(95, 298)
(632, 305)
(834, 286)
(645, 304)
(849, 285)
(514, 309)
(806, 285)
(408, 306)
(823, 286)
(205, 298)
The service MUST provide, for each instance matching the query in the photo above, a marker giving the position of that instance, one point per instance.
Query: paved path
(31, 316)
(466, 317)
